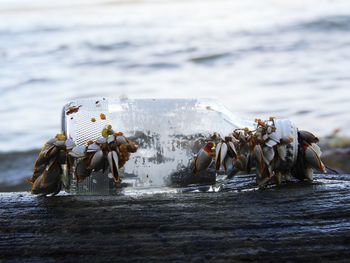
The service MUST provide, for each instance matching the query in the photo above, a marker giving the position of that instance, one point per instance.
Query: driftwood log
(298, 222)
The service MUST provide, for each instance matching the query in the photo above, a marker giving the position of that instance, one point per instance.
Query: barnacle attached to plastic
(276, 149)
(110, 151)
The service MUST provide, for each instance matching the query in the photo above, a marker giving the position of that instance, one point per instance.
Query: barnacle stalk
(110, 151)
(276, 149)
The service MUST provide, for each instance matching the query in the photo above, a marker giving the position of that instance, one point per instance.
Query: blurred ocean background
(288, 59)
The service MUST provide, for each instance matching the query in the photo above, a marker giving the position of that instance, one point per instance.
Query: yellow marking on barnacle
(103, 116)
(105, 133)
(60, 137)
(93, 119)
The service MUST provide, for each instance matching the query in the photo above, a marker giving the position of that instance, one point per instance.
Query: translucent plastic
(166, 130)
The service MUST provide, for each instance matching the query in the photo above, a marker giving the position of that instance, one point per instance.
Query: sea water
(288, 59)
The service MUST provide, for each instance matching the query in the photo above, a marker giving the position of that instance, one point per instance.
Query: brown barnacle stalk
(124, 154)
(275, 148)
(46, 178)
(111, 151)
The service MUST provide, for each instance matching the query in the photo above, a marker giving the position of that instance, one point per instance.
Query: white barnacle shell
(93, 148)
(221, 151)
(101, 140)
(78, 151)
(317, 149)
(69, 144)
(59, 143)
(111, 138)
(51, 141)
(121, 140)
(113, 160)
(313, 157)
(275, 136)
(270, 143)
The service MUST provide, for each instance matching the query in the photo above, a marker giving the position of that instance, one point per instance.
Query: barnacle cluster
(109, 152)
(275, 149)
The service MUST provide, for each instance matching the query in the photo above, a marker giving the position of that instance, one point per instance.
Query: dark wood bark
(297, 223)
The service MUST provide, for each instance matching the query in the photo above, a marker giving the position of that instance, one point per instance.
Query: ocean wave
(108, 47)
(209, 57)
(326, 24)
(248, 50)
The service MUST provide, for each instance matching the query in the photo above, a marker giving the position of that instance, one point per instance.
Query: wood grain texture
(296, 223)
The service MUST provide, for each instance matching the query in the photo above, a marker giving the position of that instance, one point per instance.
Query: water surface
(260, 58)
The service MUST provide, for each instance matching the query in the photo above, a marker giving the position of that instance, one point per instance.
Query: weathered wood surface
(296, 223)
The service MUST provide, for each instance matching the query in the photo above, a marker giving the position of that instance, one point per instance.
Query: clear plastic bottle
(166, 130)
